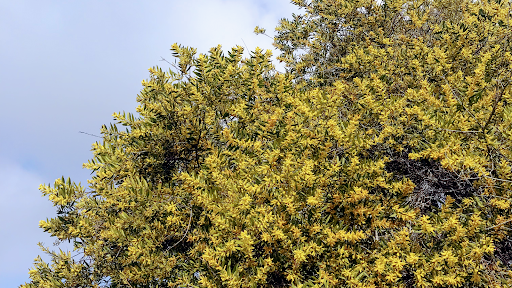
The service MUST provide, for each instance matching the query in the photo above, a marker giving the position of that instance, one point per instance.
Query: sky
(66, 66)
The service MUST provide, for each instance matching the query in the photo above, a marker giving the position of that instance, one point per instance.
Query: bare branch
(90, 134)
(185, 234)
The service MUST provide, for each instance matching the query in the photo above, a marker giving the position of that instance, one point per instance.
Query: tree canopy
(381, 158)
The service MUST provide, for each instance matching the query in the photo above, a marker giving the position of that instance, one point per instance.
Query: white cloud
(206, 23)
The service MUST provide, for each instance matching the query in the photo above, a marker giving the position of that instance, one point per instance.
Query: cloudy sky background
(66, 66)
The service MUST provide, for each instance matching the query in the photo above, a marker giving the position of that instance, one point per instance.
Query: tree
(380, 159)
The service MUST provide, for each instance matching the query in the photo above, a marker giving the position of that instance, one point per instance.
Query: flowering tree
(380, 159)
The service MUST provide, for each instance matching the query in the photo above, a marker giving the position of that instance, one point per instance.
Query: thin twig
(245, 45)
(462, 103)
(460, 131)
(497, 179)
(172, 64)
(163, 59)
(77, 254)
(499, 224)
(125, 279)
(185, 234)
(90, 134)
(497, 99)
(266, 35)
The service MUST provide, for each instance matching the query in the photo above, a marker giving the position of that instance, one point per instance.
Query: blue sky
(66, 66)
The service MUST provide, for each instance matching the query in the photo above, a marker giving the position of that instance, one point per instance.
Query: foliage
(380, 159)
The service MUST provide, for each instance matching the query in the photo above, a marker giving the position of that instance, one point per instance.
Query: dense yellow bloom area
(237, 176)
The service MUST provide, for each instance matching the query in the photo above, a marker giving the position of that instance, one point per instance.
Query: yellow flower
(426, 227)
(412, 258)
(299, 255)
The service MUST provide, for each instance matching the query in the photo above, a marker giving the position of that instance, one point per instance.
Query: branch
(497, 99)
(90, 134)
(498, 224)
(462, 103)
(185, 234)
(460, 131)
(125, 279)
(497, 179)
